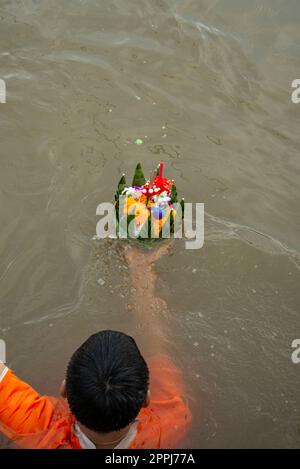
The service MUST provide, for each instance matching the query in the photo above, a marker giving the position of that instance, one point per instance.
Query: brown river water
(206, 84)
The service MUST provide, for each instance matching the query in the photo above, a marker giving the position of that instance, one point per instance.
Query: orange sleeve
(22, 409)
(168, 400)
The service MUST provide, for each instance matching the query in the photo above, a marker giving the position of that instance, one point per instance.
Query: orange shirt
(34, 421)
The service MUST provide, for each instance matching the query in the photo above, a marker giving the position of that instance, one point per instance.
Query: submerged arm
(149, 309)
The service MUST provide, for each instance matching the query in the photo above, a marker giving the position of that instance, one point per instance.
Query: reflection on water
(206, 85)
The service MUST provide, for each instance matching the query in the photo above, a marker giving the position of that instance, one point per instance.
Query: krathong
(148, 210)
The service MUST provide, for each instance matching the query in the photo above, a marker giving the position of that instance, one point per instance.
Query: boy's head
(107, 382)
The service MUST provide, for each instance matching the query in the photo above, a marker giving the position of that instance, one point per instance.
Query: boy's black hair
(107, 381)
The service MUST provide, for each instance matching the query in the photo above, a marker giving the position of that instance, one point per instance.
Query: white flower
(132, 192)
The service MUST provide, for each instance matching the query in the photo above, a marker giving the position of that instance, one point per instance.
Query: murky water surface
(206, 85)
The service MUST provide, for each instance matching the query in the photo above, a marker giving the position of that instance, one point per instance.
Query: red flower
(163, 184)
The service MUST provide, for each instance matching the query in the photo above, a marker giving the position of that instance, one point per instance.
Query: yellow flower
(133, 207)
(141, 214)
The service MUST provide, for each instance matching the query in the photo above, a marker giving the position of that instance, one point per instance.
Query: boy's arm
(149, 309)
(166, 380)
(22, 409)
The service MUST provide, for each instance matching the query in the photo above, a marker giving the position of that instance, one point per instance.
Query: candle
(161, 168)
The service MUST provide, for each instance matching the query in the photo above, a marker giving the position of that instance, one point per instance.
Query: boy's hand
(138, 257)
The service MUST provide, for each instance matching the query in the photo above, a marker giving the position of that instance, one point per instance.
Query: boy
(107, 400)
